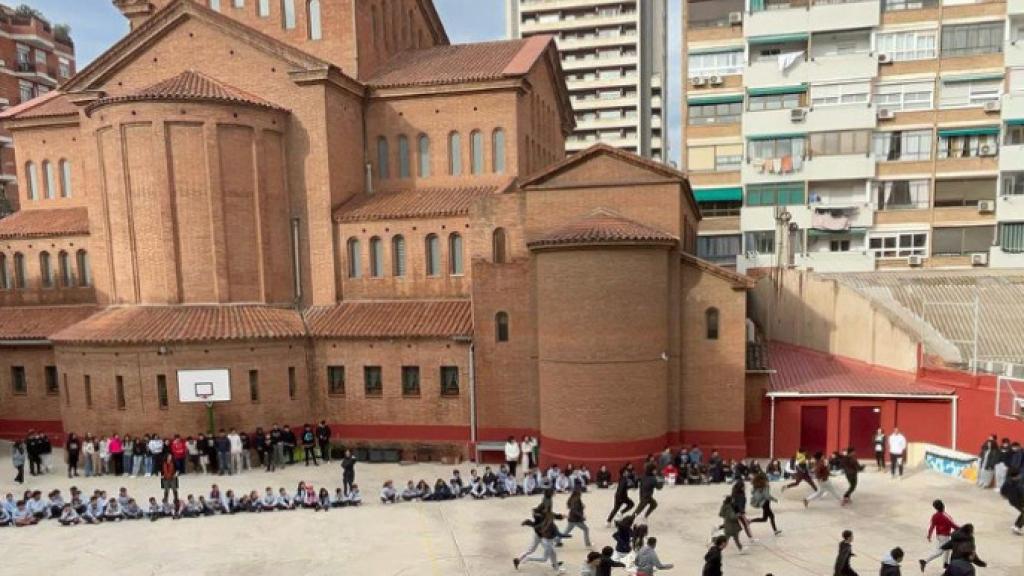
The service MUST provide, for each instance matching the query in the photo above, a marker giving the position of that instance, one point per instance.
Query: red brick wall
(34, 292)
(36, 408)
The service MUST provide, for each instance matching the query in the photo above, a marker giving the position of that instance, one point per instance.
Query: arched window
(376, 258)
(501, 327)
(64, 262)
(32, 180)
(288, 14)
(498, 254)
(476, 152)
(382, 157)
(398, 256)
(498, 151)
(455, 267)
(432, 249)
(455, 154)
(316, 29)
(20, 278)
(5, 278)
(48, 183)
(84, 272)
(711, 320)
(403, 156)
(353, 258)
(45, 270)
(65, 179)
(263, 8)
(424, 156)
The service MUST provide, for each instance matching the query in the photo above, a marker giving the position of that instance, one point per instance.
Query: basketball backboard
(211, 385)
(1010, 398)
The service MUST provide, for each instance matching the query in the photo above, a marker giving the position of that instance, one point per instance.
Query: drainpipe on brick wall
(296, 263)
(771, 432)
(472, 397)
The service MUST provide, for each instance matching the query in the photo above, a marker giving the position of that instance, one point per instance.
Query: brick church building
(364, 224)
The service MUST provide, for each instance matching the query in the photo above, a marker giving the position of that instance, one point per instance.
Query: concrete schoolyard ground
(479, 538)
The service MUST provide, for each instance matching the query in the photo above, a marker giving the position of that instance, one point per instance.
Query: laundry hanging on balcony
(830, 219)
(787, 60)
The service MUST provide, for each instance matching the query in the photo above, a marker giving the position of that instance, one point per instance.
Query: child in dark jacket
(891, 563)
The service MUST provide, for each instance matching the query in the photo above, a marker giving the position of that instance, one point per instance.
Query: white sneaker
(1018, 531)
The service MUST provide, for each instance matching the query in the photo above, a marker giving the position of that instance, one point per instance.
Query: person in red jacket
(941, 526)
(179, 452)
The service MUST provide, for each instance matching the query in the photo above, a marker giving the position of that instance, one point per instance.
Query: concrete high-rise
(856, 135)
(614, 60)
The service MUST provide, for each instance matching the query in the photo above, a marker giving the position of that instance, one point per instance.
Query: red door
(864, 421)
(814, 428)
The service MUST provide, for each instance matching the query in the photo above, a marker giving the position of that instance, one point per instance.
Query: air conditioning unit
(986, 206)
(993, 106)
(886, 114)
(735, 17)
(716, 81)
(979, 259)
(915, 261)
(698, 81)
(987, 151)
(884, 58)
(797, 115)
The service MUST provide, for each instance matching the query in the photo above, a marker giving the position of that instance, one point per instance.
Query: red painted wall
(977, 411)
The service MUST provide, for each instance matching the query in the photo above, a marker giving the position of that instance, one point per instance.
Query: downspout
(472, 400)
(771, 433)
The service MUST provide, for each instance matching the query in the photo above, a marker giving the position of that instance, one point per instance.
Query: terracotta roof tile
(459, 63)
(39, 322)
(170, 324)
(738, 280)
(413, 203)
(45, 222)
(804, 371)
(602, 226)
(53, 103)
(398, 319)
(187, 86)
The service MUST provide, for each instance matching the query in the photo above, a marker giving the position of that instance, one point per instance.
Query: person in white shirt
(897, 451)
(512, 454)
(236, 450)
(526, 453)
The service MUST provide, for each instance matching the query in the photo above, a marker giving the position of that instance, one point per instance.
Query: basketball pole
(209, 417)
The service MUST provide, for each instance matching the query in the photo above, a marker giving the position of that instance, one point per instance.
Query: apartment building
(35, 56)
(614, 60)
(855, 135)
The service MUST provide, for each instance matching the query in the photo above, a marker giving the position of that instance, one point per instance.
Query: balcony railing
(26, 66)
(896, 5)
(757, 356)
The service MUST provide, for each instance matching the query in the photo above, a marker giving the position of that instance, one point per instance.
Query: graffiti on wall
(950, 465)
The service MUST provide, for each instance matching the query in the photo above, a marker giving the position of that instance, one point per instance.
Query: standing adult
(512, 455)
(32, 451)
(897, 452)
(277, 444)
(46, 452)
(309, 445)
(18, 460)
(116, 454)
(223, 446)
(526, 450)
(235, 448)
(72, 450)
(348, 471)
(155, 457)
(289, 441)
(988, 456)
(879, 443)
(1003, 463)
(323, 438)
(845, 556)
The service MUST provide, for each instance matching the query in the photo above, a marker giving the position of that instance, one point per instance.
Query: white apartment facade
(614, 60)
(855, 135)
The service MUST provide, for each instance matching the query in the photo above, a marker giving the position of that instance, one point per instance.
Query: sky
(96, 25)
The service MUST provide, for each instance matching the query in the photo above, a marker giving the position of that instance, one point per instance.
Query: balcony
(831, 68)
(852, 261)
(765, 171)
(1014, 53)
(629, 39)
(835, 118)
(26, 66)
(804, 16)
(1010, 208)
(1011, 157)
(757, 357)
(590, 21)
(763, 217)
(841, 218)
(767, 73)
(846, 167)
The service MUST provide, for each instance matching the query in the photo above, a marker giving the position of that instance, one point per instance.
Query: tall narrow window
(382, 157)
(424, 156)
(353, 258)
(19, 383)
(161, 391)
(67, 392)
(19, 271)
(316, 29)
(433, 253)
(498, 246)
(403, 156)
(5, 277)
(455, 154)
(449, 380)
(288, 14)
(373, 381)
(263, 8)
(32, 180)
(410, 380)
(119, 393)
(48, 183)
(476, 152)
(45, 270)
(336, 380)
(455, 255)
(376, 258)
(64, 263)
(65, 179)
(498, 151)
(254, 385)
(711, 320)
(87, 390)
(398, 256)
(501, 326)
(84, 273)
(292, 383)
(52, 382)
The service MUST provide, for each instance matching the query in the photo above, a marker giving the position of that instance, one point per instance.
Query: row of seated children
(719, 472)
(490, 484)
